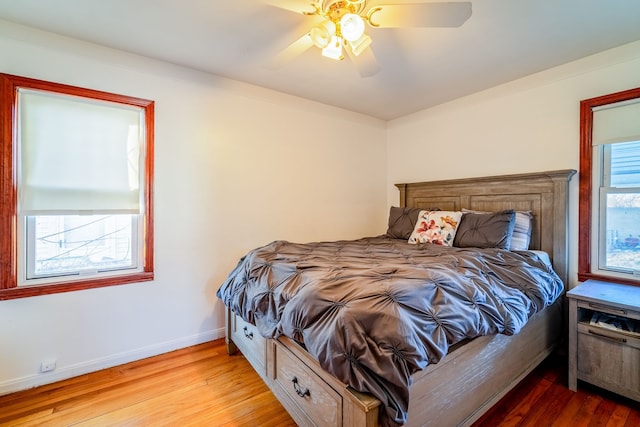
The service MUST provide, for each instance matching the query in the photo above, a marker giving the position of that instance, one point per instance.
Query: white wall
(236, 167)
(528, 125)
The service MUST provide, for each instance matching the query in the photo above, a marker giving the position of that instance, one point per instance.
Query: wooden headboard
(545, 194)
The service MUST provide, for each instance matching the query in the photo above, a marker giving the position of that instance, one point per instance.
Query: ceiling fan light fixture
(334, 49)
(351, 26)
(321, 34)
(358, 46)
(339, 25)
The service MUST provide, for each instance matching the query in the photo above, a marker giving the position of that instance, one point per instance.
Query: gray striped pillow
(521, 237)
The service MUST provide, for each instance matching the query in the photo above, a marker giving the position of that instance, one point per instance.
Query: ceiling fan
(338, 26)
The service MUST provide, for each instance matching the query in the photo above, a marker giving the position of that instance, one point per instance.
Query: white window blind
(618, 122)
(78, 156)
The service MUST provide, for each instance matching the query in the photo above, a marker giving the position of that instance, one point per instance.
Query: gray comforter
(375, 310)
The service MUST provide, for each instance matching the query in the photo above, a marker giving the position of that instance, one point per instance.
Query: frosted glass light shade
(333, 49)
(351, 27)
(321, 34)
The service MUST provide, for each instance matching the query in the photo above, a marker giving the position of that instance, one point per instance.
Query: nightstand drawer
(609, 359)
(310, 400)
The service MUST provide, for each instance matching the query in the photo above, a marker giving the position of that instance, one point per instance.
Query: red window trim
(9, 288)
(585, 184)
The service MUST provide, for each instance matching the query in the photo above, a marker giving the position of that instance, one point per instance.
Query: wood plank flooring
(203, 386)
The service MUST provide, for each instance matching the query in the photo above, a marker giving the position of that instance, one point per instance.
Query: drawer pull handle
(604, 307)
(247, 333)
(301, 392)
(617, 339)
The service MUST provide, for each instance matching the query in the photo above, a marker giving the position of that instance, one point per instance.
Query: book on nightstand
(615, 323)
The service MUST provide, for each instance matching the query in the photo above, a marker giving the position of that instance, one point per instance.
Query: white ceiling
(502, 41)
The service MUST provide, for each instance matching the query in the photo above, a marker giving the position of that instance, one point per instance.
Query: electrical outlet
(48, 365)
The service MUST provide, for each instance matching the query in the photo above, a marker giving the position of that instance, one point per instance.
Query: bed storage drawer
(309, 399)
(252, 345)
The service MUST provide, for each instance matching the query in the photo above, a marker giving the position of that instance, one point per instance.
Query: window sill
(37, 290)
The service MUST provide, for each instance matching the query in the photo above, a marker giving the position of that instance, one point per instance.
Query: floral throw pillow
(438, 227)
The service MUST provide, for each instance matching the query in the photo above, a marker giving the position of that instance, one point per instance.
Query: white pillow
(438, 227)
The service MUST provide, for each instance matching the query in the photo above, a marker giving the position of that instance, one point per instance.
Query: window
(609, 222)
(74, 245)
(77, 179)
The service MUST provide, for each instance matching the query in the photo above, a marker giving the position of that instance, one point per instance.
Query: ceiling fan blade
(420, 15)
(296, 48)
(366, 63)
(298, 6)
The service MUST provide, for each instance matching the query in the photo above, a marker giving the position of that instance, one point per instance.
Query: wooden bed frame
(473, 376)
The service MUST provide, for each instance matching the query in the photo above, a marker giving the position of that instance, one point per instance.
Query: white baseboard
(65, 372)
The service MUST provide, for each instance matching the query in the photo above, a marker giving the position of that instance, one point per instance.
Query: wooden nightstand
(598, 353)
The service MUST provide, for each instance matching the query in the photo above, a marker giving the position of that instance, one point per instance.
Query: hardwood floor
(196, 386)
(203, 386)
(543, 399)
